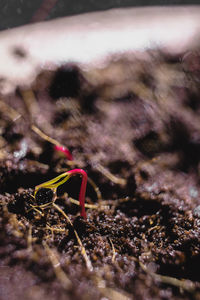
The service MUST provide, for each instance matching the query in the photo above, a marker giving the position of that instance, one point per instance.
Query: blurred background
(19, 12)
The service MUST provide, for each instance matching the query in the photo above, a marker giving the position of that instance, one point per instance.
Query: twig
(39, 164)
(96, 188)
(45, 136)
(74, 201)
(33, 207)
(60, 274)
(109, 175)
(91, 206)
(110, 293)
(52, 229)
(9, 111)
(30, 102)
(15, 224)
(83, 252)
(183, 284)
(29, 238)
(113, 249)
(114, 202)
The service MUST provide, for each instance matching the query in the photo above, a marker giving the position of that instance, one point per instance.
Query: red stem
(65, 151)
(82, 189)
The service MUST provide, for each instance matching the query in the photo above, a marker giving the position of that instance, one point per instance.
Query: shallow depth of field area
(134, 128)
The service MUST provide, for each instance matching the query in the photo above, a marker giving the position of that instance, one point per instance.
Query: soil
(135, 129)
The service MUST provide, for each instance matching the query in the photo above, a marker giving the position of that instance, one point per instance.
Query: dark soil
(135, 129)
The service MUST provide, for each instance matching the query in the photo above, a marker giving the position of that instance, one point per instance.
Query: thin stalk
(82, 189)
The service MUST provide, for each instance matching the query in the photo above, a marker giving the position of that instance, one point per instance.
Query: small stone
(196, 211)
(193, 192)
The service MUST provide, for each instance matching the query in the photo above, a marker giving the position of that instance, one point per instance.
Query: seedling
(65, 151)
(54, 183)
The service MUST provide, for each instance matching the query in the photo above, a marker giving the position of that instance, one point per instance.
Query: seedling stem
(65, 151)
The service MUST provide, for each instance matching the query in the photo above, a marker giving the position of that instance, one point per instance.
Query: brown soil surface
(135, 129)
